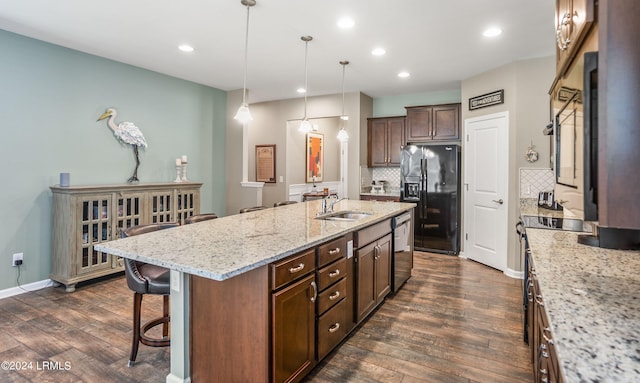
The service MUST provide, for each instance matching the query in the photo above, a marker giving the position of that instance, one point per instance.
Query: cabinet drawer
(291, 269)
(332, 295)
(371, 233)
(332, 273)
(331, 251)
(332, 327)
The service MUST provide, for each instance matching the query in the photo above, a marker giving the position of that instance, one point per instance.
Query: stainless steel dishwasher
(402, 250)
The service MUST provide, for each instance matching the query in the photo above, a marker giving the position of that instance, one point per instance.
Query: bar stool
(282, 203)
(200, 218)
(144, 278)
(248, 209)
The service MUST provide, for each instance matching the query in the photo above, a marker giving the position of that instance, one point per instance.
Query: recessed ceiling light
(301, 90)
(492, 32)
(346, 22)
(185, 48)
(403, 74)
(378, 52)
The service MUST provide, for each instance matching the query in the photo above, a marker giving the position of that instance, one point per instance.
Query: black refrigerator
(430, 177)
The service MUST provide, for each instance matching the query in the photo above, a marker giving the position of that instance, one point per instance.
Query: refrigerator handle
(423, 187)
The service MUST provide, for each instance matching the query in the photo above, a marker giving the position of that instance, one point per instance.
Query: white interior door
(486, 198)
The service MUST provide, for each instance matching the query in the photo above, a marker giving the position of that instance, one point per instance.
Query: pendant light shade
(305, 125)
(342, 134)
(243, 115)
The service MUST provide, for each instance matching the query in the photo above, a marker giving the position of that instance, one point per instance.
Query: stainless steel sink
(345, 215)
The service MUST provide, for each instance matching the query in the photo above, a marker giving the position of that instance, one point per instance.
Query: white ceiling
(439, 42)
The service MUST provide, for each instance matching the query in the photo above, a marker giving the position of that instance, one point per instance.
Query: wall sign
(485, 100)
(266, 163)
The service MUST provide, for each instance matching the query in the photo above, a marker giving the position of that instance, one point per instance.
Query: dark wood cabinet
(385, 138)
(386, 197)
(433, 122)
(573, 20)
(334, 306)
(293, 331)
(373, 275)
(618, 116)
(541, 344)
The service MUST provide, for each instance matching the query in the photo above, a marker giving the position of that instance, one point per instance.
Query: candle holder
(178, 167)
(184, 172)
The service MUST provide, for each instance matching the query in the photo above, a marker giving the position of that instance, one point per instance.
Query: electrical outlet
(18, 258)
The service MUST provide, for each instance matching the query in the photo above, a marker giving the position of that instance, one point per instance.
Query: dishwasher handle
(399, 220)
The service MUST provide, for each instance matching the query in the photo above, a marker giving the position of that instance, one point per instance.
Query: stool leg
(165, 314)
(137, 305)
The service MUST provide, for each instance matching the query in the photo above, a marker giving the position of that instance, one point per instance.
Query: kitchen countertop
(225, 247)
(591, 298)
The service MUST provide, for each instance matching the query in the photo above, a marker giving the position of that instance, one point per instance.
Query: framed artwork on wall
(266, 163)
(315, 157)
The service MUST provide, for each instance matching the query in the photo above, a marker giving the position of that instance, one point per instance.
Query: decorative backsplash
(533, 181)
(391, 175)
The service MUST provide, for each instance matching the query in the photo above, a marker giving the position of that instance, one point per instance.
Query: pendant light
(343, 136)
(243, 115)
(305, 125)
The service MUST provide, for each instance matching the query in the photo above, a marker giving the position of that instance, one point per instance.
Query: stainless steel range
(554, 223)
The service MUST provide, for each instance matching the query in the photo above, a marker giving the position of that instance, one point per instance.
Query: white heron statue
(127, 133)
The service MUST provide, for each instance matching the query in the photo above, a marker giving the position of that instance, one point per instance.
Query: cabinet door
(293, 330)
(188, 201)
(395, 135)
(446, 122)
(377, 139)
(365, 281)
(160, 205)
(419, 124)
(383, 268)
(128, 211)
(95, 220)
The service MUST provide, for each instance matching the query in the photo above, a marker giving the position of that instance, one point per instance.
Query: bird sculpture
(126, 133)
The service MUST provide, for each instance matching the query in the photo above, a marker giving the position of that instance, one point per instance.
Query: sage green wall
(394, 105)
(50, 98)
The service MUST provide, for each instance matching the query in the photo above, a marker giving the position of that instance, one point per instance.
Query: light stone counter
(591, 296)
(225, 247)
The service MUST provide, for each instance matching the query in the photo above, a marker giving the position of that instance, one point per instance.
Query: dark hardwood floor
(454, 321)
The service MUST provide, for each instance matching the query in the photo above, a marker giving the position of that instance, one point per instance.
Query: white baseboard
(514, 274)
(6, 293)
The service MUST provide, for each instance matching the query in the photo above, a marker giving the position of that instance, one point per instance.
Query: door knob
(500, 201)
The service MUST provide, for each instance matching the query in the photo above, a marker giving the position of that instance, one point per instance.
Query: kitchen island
(226, 264)
(590, 296)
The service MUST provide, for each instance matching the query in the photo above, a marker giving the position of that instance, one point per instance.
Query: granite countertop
(225, 247)
(591, 298)
(529, 206)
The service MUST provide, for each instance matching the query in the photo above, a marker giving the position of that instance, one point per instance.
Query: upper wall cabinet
(433, 122)
(574, 18)
(385, 138)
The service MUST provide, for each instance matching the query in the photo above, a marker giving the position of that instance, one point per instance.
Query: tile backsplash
(391, 175)
(534, 180)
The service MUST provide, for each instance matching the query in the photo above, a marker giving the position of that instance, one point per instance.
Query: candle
(178, 162)
(184, 158)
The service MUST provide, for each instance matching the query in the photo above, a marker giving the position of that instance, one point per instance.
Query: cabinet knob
(334, 251)
(334, 273)
(334, 327)
(334, 296)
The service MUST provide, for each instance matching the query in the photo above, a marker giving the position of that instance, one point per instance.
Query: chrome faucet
(327, 207)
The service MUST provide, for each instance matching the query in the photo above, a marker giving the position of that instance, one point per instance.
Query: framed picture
(266, 163)
(315, 157)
